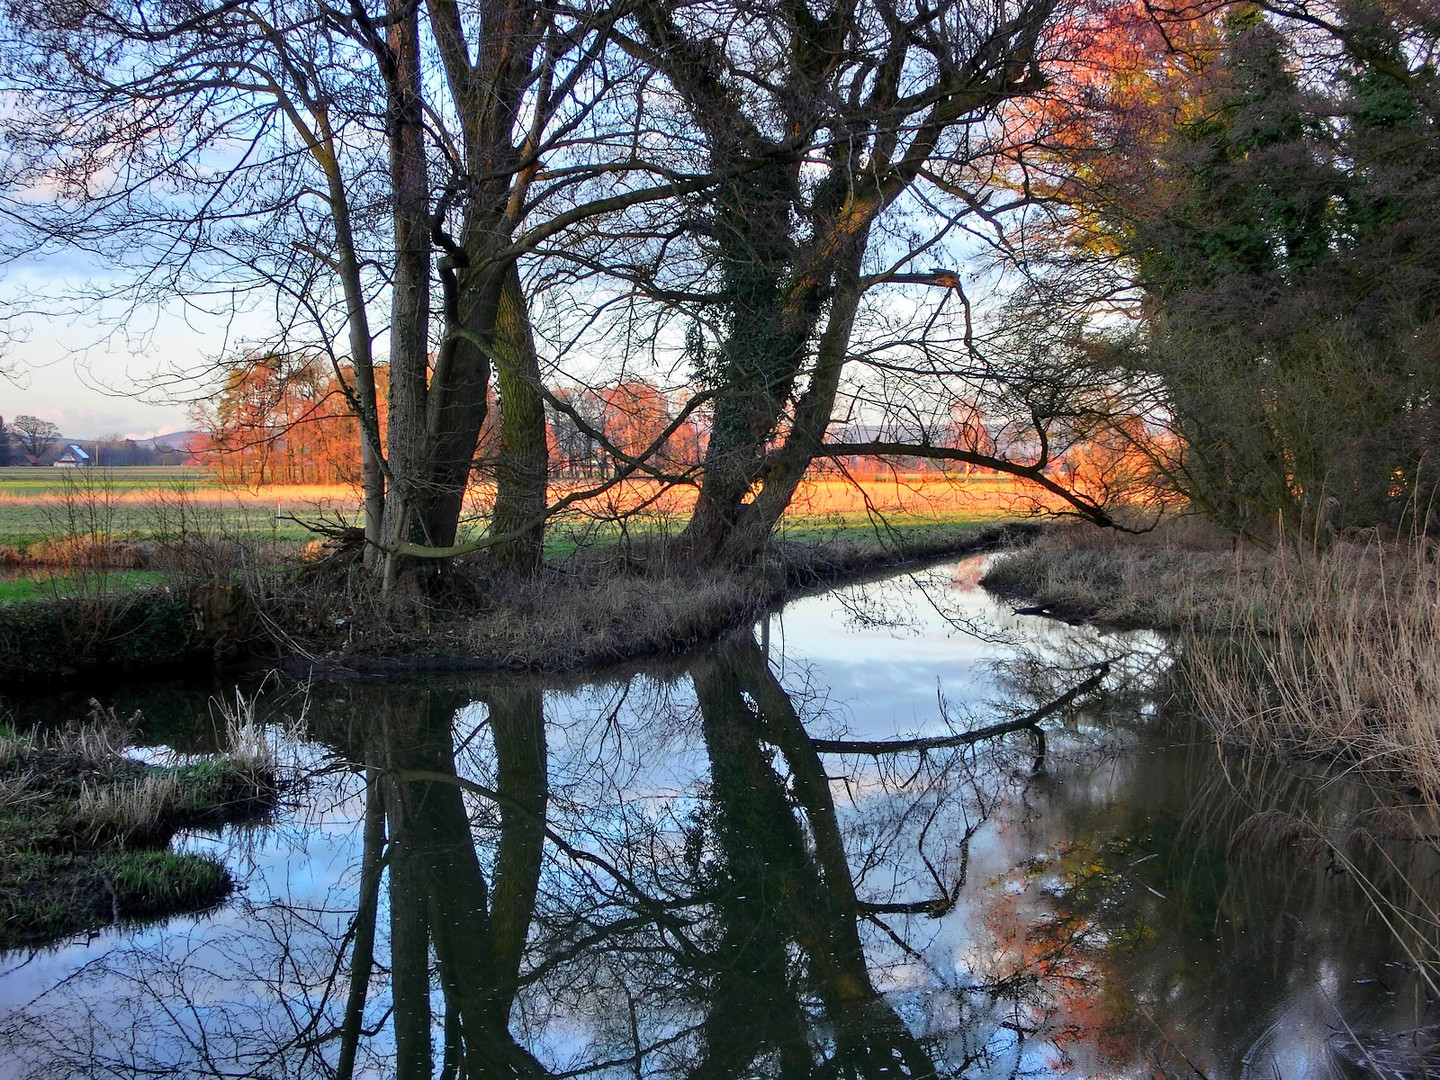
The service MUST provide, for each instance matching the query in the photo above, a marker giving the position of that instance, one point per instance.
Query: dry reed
(1183, 574)
(1332, 652)
(1338, 655)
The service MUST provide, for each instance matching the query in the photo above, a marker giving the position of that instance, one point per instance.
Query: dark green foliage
(1291, 264)
(43, 640)
(1250, 198)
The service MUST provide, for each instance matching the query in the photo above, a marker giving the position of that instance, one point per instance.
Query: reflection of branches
(1030, 721)
(659, 911)
(692, 889)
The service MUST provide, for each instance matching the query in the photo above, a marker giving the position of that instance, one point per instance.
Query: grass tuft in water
(84, 829)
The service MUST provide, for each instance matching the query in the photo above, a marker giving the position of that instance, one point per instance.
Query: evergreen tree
(1284, 248)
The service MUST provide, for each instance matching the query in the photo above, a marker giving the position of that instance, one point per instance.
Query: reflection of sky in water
(881, 652)
(863, 662)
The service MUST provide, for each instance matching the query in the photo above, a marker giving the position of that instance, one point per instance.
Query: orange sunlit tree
(280, 419)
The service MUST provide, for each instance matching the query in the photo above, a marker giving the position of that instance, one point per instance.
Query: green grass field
(39, 505)
(41, 584)
(38, 483)
(45, 511)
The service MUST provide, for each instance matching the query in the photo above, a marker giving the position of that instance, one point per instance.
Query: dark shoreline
(206, 630)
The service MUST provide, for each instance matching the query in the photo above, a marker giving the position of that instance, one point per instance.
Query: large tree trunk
(788, 465)
(410, 297)
(487, 92)
(458, 401)
(764, 351)
(728, 526)
(522, 471)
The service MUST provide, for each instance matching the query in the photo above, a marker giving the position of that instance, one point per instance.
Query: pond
(779, 856)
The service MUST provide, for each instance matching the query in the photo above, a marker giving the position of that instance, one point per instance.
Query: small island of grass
(85, 830)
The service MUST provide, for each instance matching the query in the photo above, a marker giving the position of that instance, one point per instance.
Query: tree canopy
(1025, 236)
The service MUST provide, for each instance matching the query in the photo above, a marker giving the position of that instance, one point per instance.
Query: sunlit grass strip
(157, 501)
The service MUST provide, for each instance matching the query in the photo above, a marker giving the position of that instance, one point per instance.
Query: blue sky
(94, 372)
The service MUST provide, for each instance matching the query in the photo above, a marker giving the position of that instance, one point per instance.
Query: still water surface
(744, 864)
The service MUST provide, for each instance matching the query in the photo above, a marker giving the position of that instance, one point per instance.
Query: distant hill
(186, 441)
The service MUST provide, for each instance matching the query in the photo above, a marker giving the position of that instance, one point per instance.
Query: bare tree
(850, 146)
(35, 435)
(237, 158)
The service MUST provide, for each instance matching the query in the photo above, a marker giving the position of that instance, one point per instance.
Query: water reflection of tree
(438, 895)
(525, 896)
(782, 896)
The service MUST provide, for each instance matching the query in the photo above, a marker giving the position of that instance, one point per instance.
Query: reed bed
(1329, 651)
(1184, 574)
(1336, 654)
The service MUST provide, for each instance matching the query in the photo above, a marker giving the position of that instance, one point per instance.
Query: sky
(86, 396)
(103, 371)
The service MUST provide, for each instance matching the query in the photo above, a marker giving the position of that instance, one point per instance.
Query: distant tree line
(282, 419)
(28, 440)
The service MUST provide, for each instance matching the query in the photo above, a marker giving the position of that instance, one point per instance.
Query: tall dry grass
(1184, 574)
(1330, 651)
(1337, 653)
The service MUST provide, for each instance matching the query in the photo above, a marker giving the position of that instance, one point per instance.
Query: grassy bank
(1330, 653)
(599, 607)
(596, 607)
(1186, 574)
(85, 830)
(131, 574)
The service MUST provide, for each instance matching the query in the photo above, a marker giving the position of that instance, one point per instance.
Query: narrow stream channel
(727, 866)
